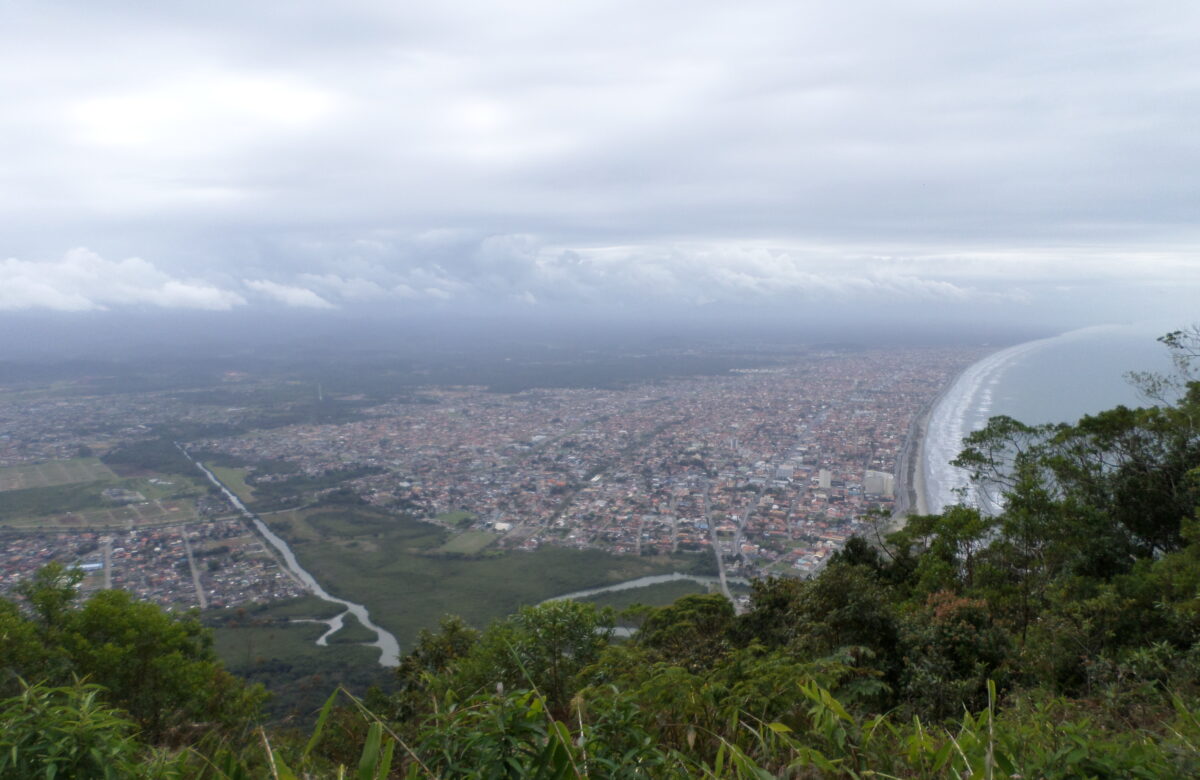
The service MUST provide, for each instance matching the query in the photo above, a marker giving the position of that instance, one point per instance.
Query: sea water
(1057, 379)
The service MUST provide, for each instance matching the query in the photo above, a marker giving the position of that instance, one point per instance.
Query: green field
(309, 607)
(258, 635)
(131, 516)
(58, 472)
(172, 486)
(384, 562)
(37, 502)
(454, 518)
(246, 646)
(467, 543)
(253, 635)
(235, 480)
(69, 495)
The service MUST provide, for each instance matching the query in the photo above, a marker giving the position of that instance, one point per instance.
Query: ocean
(1057, 379)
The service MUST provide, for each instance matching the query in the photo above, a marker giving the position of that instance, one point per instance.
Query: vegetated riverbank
(276, 645)
(389, 648)
(388, 563)
(704, 582)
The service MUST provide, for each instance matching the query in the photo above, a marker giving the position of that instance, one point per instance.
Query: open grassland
(159, 498)
(169, 486)
(150, 513)
(54, 500)
(245, 645)
(467, 543)
(235, 480)
(306, 607)
(388, 564)
(58, 472)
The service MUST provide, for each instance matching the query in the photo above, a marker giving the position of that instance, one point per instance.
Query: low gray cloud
(621, 153)
(84, 281)
(289, 295)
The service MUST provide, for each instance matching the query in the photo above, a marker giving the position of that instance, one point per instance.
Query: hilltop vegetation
(1059, 637)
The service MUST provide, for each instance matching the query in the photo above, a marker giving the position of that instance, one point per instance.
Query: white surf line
(949, 425)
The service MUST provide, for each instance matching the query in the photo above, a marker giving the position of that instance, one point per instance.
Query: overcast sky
(1036, 161)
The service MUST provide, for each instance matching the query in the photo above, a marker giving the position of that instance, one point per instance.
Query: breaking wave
(964, 408)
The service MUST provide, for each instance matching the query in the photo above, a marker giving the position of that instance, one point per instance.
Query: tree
(544, 647)
(692, 632)
(160, 669)
(433, 654)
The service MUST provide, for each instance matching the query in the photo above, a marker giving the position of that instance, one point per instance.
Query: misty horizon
(882, 169)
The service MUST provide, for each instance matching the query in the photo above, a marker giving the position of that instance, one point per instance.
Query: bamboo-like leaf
(385, 765)
(324, 716)
(369, 762)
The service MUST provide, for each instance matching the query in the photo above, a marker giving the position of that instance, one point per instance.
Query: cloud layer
(381, 154)
(83, 281)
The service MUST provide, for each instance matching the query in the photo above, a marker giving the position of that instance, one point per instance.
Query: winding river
(389, 647)
(641, 582)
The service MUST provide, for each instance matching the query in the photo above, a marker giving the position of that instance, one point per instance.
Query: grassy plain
(63, 495)
(58, 472)
(37, 502)
(247, 645)
(467, 543)
(235, 480)
(390, 565)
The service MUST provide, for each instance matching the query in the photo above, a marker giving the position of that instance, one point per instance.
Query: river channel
(389, 647)
(642, 582)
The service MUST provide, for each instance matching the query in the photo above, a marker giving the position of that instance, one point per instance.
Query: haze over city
(1021, 169)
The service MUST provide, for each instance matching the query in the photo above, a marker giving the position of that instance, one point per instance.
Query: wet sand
(911, 467)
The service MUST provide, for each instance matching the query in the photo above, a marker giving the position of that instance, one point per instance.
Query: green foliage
(954, 650)
(70, 732)
(543, 647)
(692, 632)
(158, 669)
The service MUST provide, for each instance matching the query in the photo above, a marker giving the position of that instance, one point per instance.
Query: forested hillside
(1058, 638)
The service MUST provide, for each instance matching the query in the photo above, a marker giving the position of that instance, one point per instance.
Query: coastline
(910, 470)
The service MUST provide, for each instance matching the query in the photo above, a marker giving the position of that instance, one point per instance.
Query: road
(716, 545)
(187, 547)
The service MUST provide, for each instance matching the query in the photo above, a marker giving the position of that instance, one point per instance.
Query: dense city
(771, 467)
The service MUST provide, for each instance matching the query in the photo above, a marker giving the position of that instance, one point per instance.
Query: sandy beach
(910, 469)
